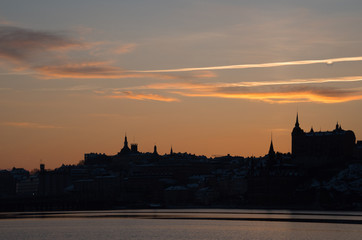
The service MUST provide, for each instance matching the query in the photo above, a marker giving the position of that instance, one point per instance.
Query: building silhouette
(134, 148)
(126, 149)
(319, 149)
(155, 150)
(324, 169)
(271, 155)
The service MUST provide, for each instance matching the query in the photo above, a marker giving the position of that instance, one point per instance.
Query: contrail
(256, 65)
(297, 81)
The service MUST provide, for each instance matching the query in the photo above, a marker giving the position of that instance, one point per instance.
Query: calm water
(182, 224)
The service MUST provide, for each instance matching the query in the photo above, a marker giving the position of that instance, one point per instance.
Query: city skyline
(206, 77)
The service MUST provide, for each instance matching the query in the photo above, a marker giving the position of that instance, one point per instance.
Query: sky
(205, 77)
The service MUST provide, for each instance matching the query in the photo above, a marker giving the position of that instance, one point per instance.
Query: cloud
(138, 96)
(205, 86)
(17, 73)
(174, 85)
(291, 91)
(94, 70)
(4, 21)
(19, 44)
(29, 125)
(257, 65)
(298, 81)
(295, 90)
(90, 70)
(287, 94)
(53, 55)
(125, 48)
(204, 74)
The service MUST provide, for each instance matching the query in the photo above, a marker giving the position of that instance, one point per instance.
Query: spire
(271, 148)
(171, 151)
(297, 121)
(337, 126)
(125, 148)
(271, 155)
(297, 130)
(125, 141)
(155, 150)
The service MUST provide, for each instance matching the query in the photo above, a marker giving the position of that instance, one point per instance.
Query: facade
(317, 149)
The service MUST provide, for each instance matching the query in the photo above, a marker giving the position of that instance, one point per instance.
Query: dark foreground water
(182, 225)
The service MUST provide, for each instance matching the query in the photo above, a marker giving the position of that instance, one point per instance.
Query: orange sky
(205, 77)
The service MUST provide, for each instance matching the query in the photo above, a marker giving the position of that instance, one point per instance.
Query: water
(181, 225)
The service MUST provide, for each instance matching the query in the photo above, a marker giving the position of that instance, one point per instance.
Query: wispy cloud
(4, 21)
(53, 55)
(141, 96)
(29, 125)
(19, 44)
(199, 86)
(126, 48)
(24, 48)
(297, 81)
(92, 70)
(296, 90)
(286, 95)
(256, 65)
(175, 85)
(16, 73)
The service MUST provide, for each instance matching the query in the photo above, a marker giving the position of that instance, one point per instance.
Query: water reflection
(181, 224)
(204, 214)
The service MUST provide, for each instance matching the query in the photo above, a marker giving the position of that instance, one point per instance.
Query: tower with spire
(297, 128)
(155, 151)
(338, 127)
(297, 137)
(271, 154)
(125, 149)
(324, 148)
(271, 149)
(297, 121)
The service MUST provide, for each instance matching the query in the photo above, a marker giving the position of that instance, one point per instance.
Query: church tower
(125, 148)
(155, 150)
(125, 142)
(271, 149)
(297, 137)
(271, 155)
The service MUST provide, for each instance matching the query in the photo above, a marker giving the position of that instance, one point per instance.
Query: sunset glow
(207, 77)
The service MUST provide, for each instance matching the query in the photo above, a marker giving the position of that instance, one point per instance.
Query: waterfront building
(320, 149)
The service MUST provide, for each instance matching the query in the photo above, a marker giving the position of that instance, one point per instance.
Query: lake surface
(182, 225)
